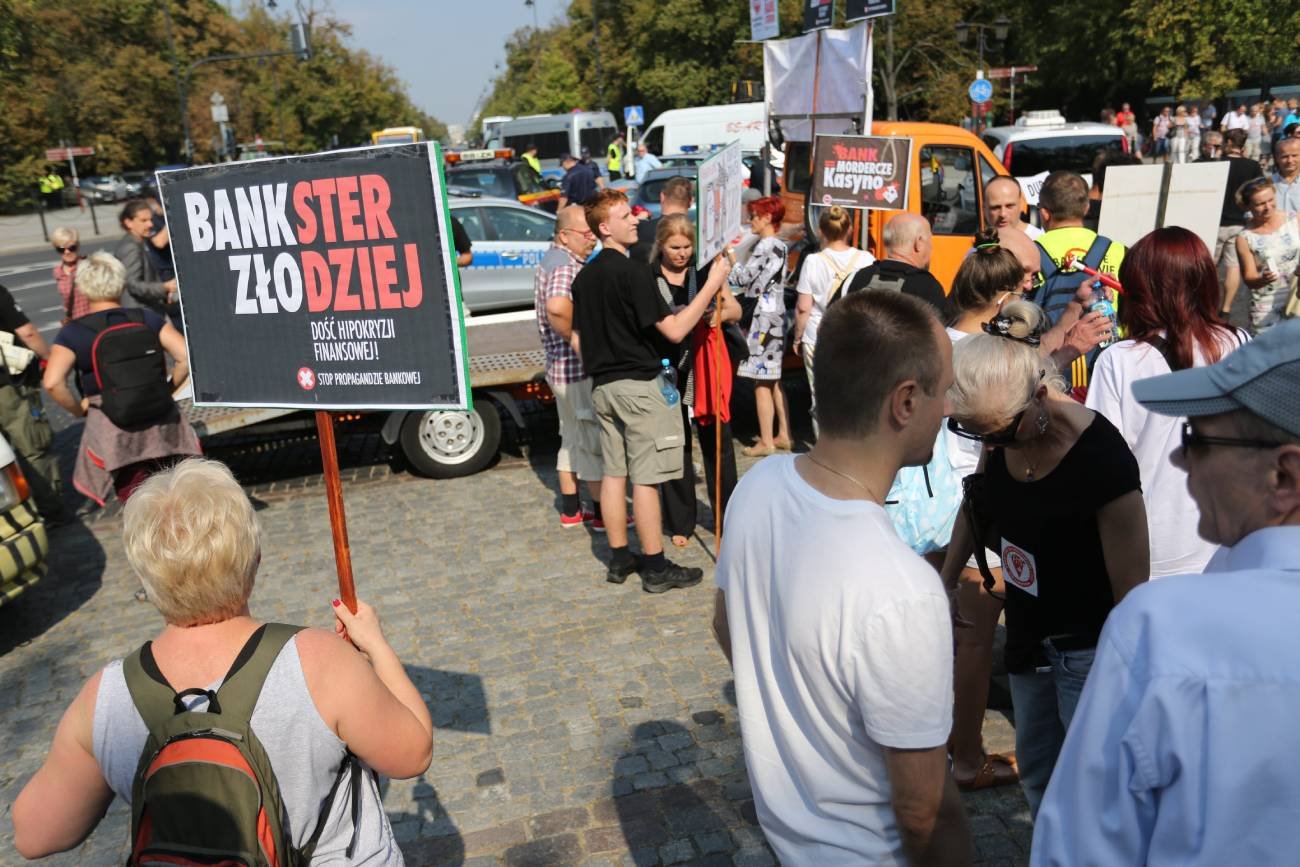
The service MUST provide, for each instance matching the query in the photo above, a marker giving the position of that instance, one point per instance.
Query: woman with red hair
(1171, 295)
(762, 277)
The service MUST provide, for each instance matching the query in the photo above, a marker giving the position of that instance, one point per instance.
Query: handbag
(1292, 309)
(983, 529)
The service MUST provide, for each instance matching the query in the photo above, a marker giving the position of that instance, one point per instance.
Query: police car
(497, 173)
(509, 240)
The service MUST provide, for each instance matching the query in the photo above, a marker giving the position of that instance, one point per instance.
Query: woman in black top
(1062, 494)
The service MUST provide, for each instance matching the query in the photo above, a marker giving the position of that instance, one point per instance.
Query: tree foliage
(101, 73)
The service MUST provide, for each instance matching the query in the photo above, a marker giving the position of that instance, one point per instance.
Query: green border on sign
(449, 251)
(699, 223)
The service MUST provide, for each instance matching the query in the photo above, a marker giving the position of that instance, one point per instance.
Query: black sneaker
(669, 577)
(617, 573)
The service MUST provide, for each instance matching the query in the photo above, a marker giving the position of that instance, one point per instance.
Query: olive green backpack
(204, 791)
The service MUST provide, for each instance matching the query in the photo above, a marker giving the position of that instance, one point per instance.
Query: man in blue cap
(1183, 748)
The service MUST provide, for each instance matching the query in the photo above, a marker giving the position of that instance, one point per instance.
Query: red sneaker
(598, 523)
(578, 518)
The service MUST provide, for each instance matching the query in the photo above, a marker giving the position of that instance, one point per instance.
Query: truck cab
(948, 170)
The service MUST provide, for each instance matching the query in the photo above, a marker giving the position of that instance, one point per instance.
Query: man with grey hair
(1181, 747)
(905, 268)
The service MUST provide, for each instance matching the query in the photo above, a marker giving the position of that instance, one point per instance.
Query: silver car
(509, 240)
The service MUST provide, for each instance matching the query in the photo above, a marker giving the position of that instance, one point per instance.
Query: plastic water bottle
(668, 382)
(1102, 304)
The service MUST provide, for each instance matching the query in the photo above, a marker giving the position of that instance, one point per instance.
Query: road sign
(764, 20)
(859, 10)
(1009, 71)
(633, 115)
(981, 90)
(56, 155)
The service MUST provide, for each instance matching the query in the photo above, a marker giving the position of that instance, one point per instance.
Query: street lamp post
(1000, 27)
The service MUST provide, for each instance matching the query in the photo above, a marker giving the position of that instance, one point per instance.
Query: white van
(558, 134)
(706, 127)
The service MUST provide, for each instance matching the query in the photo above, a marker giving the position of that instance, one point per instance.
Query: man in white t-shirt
(839, 636)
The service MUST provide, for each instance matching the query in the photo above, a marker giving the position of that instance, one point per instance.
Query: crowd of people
(1176, 132)
(1071, 452)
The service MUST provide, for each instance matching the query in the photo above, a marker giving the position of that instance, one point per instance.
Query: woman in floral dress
(762, 278)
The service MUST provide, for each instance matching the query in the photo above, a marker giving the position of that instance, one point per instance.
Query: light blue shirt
(644, 164)
(1288, 195)
(1185, 748)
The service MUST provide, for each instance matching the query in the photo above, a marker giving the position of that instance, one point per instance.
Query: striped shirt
(554, 279)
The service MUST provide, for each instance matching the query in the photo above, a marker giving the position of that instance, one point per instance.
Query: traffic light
(298, 41)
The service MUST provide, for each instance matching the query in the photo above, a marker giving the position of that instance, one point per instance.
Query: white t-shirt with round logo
(842, 646)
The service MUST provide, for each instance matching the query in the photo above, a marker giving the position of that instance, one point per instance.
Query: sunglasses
(71, 248)
(1004, 437)
(1192, 438)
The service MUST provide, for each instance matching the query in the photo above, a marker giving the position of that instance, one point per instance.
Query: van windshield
(797, 171)
(1063, 153)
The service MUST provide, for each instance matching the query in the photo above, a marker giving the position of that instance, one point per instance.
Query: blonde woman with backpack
(823, 274)
(263, 739)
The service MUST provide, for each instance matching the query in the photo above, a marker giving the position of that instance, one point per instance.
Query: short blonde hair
(64, 235)
(192, 538)
(994, 377)
(101, 277)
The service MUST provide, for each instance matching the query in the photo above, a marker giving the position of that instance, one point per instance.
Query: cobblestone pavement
(577, 722)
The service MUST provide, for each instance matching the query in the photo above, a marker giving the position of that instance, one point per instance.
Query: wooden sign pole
(720, 349)
(338, 520)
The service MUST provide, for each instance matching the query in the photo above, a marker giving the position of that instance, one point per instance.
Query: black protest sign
(320, 282)
(861, 171)
(817, 14)
(857, 10)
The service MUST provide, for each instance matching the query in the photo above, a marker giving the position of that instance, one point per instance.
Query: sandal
(758, 451)
(784, 445)
(680, 541)
(991, 775)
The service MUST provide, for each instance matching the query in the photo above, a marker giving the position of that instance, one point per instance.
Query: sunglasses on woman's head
(71, 248)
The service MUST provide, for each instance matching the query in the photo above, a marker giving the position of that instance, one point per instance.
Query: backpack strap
(1097, 251)
(97, 322)
(243, 683)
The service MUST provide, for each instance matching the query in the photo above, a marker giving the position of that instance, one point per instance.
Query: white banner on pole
(789, 69)
(719, 190)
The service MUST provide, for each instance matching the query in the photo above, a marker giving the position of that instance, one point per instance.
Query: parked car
(498, 173)
(509, 241)
(23, 542)
(1043, 142)
(104, 188)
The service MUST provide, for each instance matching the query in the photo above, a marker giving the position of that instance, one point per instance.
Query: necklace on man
(828, 468)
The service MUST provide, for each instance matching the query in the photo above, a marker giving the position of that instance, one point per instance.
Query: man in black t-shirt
(908, 248)
(462, 244)
(22, 415)
(619, 321)
(1233, 218)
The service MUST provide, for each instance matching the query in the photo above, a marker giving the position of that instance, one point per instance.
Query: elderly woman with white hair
(67, 243)
(114, 459)
(193, 540)
(1058, 495)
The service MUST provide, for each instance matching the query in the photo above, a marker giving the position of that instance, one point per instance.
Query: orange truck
(949, 168)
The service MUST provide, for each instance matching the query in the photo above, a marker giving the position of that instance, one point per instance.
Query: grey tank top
(304, 752)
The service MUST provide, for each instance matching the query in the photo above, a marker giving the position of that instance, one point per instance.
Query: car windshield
(492, 182)
(1073, 153)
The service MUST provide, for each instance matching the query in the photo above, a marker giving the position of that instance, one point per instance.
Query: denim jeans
(1044, 703)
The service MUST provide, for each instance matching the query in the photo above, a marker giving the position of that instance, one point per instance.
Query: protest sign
(319, 282)
(861, 171)
(764, 20)
(719, 188)
(1138, 199)
(817, 14)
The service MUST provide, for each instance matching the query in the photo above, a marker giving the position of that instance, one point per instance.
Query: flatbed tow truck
(507, 368)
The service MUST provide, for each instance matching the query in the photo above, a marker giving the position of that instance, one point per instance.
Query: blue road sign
(981, 90)
(633, 115)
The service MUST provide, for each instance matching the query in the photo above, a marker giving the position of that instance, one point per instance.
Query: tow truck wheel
(446, 444)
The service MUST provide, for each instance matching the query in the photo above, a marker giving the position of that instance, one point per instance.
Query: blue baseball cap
(1262, 377)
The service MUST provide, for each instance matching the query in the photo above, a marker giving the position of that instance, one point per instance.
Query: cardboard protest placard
(320, 282)
(861, 171)
(718, 193)
(1138, 199)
